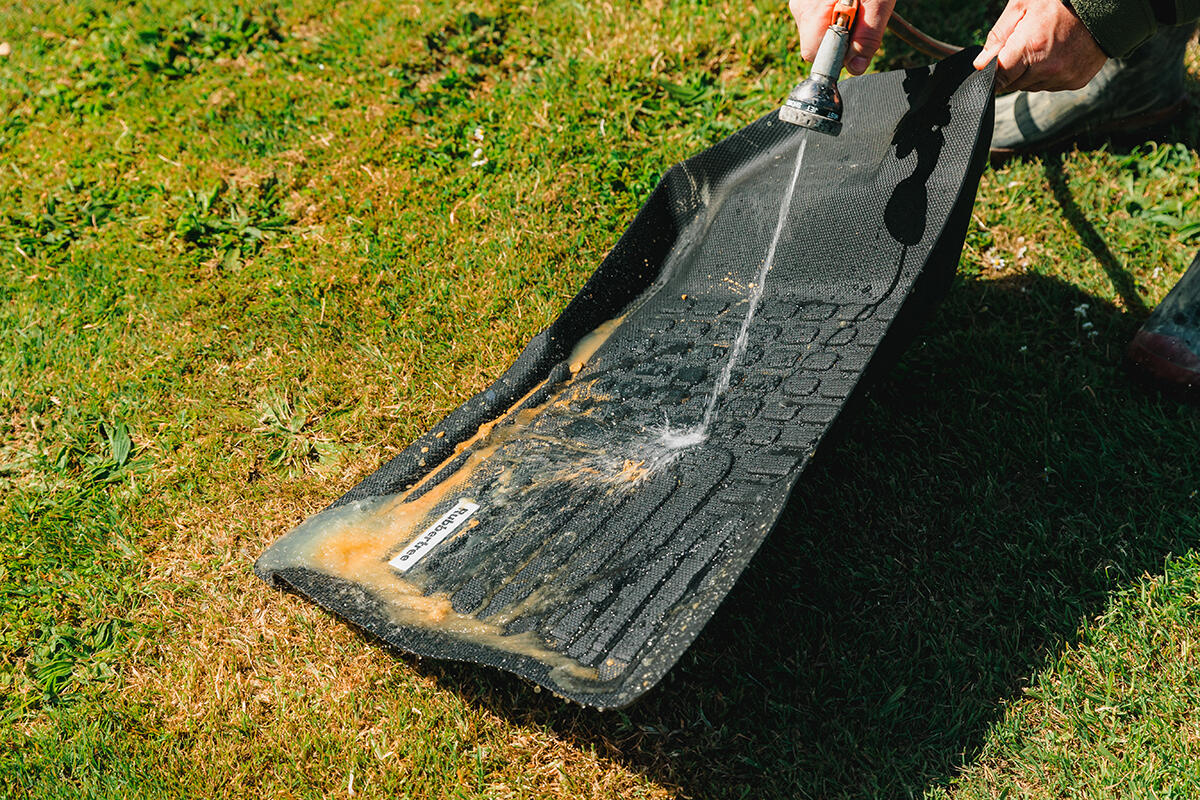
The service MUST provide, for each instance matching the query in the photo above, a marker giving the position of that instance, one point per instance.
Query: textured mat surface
(580, 521)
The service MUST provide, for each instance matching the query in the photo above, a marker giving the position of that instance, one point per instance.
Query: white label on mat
(451, 521)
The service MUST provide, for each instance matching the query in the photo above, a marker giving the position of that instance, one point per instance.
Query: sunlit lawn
(248, 255)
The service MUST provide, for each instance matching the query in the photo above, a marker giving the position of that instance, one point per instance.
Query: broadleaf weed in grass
(293, 449)
(280, 415)
(70, 654)
(233, 224)
(1158, 183)
(178, 50)
(119, 444)
(104, 457)
(61, 218)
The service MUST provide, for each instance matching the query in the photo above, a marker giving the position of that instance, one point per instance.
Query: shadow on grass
(1121, 280)
(982, 506)
(1184, 130)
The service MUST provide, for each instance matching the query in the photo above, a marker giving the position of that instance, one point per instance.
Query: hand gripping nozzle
(816, 103)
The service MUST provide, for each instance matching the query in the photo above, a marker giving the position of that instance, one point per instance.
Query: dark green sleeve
(1121, 25)
(1185, 11)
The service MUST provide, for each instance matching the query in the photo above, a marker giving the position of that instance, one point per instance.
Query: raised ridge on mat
(580, 521)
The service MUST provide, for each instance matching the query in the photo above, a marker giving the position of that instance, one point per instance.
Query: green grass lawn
(248, 255)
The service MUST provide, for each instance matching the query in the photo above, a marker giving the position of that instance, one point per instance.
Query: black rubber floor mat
(580, 521)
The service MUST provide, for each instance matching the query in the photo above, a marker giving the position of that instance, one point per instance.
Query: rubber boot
(1166, 350)
(1144, 89)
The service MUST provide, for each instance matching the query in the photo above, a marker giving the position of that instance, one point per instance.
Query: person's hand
(813, 18)
(1041, 46)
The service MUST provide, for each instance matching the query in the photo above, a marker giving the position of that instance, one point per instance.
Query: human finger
(812, 19)
(999, 34)
(1012, 65)
(873, 16)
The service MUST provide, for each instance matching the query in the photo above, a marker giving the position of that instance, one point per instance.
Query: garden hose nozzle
(816, 103)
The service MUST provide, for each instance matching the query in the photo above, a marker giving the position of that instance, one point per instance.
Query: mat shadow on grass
(981, 507)
(1120, 277)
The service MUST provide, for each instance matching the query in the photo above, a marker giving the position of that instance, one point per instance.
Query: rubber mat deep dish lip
(579, 521)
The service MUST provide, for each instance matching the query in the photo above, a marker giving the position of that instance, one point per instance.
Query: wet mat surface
(580, 521)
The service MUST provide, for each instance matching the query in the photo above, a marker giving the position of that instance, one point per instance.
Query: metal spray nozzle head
(815, 103)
